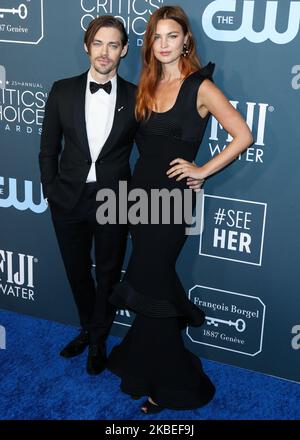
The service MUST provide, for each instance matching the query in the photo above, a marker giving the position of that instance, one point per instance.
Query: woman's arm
(211, 99)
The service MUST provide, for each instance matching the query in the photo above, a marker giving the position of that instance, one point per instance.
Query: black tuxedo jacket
(65, 155)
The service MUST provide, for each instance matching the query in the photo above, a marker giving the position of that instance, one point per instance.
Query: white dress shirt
(99, 117)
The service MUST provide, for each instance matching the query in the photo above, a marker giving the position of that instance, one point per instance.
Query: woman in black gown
(174, 102)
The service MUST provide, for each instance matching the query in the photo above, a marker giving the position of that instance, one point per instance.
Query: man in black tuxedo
(87, 137)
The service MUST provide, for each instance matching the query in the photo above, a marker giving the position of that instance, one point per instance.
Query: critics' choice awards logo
(233, 229)
(256, 115)
(133, 13)
(22, 105)
(232, 21)
(21, 194)
(21, 21)
(233, 321)
(16, 275)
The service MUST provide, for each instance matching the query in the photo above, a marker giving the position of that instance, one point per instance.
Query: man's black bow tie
(94, 87)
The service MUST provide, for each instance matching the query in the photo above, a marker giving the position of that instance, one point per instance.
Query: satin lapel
(117, 127)
(79, 114)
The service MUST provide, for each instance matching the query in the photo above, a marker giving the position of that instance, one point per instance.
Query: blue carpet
(37, 384)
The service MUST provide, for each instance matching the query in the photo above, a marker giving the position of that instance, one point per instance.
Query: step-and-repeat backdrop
(243, 269)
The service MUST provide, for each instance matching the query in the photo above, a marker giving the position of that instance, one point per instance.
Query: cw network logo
(217, 14)
(21, 22)
(20, 198)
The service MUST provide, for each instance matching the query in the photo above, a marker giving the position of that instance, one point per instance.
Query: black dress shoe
(96, 361)
(76, 346)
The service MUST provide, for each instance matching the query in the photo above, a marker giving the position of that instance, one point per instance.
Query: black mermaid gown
(152, 359)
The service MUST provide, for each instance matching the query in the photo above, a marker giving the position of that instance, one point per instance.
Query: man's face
(106, 50)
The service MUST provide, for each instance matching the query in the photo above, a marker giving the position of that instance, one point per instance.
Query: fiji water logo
(217, 13)
(256, 115)
(11, 195)
(16, 268)
(17, 275)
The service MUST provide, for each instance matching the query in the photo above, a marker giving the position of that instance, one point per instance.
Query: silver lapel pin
(121, 108)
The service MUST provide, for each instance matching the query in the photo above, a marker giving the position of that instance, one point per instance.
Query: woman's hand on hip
(181, 169)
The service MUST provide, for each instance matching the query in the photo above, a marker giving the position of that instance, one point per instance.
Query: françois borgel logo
(21, 21)
(16, 275)
(22, 105)
(233, 321)
(231, 20)
(21, 195)
(134, 14)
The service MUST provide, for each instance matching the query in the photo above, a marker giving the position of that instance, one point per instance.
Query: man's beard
(104, 70)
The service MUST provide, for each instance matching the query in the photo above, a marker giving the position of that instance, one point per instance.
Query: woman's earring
(185, 50)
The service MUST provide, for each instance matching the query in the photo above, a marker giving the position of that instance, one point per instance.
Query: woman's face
(168, 41)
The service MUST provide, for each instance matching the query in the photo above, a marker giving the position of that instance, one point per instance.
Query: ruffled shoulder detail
(205, 72)
(208, 70)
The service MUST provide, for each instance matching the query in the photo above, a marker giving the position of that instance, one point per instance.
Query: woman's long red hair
(152, 68)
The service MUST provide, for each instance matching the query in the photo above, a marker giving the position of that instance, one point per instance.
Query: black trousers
(78, 233)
